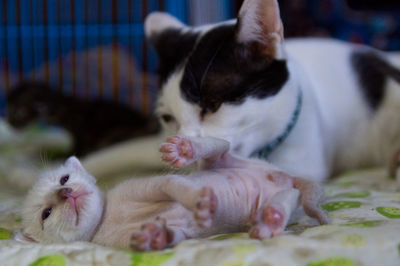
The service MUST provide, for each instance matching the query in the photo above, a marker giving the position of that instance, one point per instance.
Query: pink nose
(64, 193)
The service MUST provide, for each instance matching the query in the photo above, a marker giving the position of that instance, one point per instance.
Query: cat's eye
(167, 118)
(64, 180)
(46, 213)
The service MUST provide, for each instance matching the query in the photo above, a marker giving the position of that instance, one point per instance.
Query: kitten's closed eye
(64, 180)
(167, 118)
(46, 213)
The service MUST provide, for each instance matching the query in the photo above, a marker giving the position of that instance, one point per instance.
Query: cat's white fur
(336, 130)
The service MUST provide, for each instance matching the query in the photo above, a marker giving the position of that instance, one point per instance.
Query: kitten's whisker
(44, 159)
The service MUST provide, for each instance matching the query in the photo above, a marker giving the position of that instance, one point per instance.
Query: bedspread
(363, 207)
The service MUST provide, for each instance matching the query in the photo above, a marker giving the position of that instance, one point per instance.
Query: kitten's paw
(178, 151)
(151, 236)
(206, 207)
(267, 222)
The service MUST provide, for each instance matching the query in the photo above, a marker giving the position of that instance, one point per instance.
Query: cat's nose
(64, 193)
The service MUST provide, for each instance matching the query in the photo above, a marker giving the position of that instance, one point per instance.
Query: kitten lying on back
(152, 213)
(93, 124)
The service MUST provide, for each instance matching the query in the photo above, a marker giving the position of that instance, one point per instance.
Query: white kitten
(64, 205)
(156, 212)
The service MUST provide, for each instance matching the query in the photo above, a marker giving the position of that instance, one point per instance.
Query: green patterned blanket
(363, 206)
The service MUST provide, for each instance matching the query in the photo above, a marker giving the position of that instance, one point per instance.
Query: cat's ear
(157, 22)
(23, 237)
(74, 163)
(171, 39)
(259, 22)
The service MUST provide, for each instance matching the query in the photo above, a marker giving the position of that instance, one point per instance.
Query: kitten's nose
(64, 193)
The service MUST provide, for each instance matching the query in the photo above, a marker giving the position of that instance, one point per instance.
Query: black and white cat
(313, 107)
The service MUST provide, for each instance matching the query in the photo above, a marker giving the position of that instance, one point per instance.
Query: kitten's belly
(241, 191)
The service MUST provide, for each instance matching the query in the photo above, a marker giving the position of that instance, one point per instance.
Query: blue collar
(265, 151)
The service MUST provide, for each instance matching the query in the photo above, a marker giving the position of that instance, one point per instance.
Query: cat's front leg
(125, 157)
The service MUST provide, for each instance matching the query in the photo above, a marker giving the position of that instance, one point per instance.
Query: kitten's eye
(167, 118)
(64, 180)
(46, 213)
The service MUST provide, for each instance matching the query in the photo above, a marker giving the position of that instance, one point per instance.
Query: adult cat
(313, 107)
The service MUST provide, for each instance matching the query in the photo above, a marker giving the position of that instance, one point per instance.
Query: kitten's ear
(259, 21)
(20, 236)
(171, 39)
(74, 163)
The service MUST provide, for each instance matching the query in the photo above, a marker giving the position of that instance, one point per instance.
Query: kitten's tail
(140, 154)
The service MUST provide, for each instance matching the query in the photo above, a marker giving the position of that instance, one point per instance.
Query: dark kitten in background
(93, 124)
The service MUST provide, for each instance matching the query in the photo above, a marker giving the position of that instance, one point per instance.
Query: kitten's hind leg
(310, 197)
(271, 219)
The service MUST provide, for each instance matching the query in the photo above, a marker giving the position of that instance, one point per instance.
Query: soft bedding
(363, 206)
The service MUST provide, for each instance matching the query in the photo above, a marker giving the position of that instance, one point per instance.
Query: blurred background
(95, 49)
(85, 67)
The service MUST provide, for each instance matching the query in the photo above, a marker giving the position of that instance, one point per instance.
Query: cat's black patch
(220, 70)
(172, 47)
(372, 71)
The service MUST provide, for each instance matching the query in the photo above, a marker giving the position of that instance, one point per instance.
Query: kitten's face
(64, 205)
(229, 80)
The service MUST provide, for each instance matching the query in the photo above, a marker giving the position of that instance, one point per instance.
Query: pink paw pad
(151, 236)
(272, 216)
(178, 151)
(206, 207)
(267, 222)
(260, 232)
